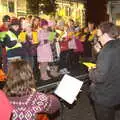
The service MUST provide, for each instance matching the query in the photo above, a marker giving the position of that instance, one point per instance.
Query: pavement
(81, 109)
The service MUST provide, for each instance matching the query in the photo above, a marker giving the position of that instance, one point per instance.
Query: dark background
(96, 11)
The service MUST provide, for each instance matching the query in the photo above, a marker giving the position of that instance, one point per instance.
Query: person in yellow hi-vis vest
(29, 39)
(14, 48)
(88, 38)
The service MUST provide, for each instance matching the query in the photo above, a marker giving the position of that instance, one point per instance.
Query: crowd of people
(42, 42)
(32, 43)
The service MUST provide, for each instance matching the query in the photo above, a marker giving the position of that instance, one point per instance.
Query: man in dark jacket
(105, 86)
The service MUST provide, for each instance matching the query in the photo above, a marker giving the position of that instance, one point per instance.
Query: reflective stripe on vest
(13, 37)
(2, 35)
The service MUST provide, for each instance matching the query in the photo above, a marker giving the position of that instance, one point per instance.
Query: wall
(74, 10)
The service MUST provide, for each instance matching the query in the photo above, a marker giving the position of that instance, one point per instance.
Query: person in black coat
(105, 86)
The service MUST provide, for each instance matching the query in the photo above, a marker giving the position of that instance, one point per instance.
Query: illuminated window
(11, 6)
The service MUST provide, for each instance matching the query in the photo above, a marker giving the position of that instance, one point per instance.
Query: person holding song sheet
(104, 89)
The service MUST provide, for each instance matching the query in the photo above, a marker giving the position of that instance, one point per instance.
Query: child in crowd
(29, 39)
(64, 52)
(44, 52)
(14, 48)
(36, 24)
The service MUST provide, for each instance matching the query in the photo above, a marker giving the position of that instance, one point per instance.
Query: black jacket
(105, 87)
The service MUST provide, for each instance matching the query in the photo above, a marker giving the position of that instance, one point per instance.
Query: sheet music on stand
(68, 88)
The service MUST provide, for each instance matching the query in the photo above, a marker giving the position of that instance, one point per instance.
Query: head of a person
(36, 20)
(109, 28)
(107, 31)
(28, 27)
(70, 22)
(15, 24)
(44, 24)
(36, 23)
(20, 79)
(66, 27)
(91, 25)
(85, 30)
(21, 21)
(29, 18)
(6, 20)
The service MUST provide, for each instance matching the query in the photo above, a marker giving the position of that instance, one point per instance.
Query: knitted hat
(43, 22)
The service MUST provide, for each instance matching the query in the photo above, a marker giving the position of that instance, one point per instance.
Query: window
(11, 6)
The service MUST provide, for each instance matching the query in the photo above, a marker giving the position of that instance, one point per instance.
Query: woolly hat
(43, 22)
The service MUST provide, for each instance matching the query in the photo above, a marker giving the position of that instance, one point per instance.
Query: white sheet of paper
(68, 88)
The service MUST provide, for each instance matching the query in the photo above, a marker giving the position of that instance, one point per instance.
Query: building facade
(13, 7)
(113, 10)
(74, 9)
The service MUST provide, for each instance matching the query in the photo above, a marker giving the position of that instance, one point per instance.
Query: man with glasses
(104, 89)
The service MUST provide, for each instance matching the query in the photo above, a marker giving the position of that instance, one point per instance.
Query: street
(81, 109)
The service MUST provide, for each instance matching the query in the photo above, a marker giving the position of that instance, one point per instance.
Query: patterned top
(25, 108)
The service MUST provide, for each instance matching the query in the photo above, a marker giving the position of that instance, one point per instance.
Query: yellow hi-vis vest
(13, 37)
(2, 35)
(22, 37)
(91, 37)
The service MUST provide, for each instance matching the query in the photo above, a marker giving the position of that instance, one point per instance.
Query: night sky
(96, 11)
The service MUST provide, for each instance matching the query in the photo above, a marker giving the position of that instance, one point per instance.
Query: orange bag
(42, 117)
(2, 75)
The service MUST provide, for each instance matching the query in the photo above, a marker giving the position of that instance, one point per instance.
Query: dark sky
(96, 11)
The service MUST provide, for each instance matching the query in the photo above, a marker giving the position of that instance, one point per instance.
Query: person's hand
(91, 68)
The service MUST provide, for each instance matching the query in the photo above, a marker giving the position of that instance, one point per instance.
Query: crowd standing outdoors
(42, 42)
(52, 47)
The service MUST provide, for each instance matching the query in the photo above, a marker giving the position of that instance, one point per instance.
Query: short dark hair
(29, 16)
(6, 18)
(110, 29)
(20, 79)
